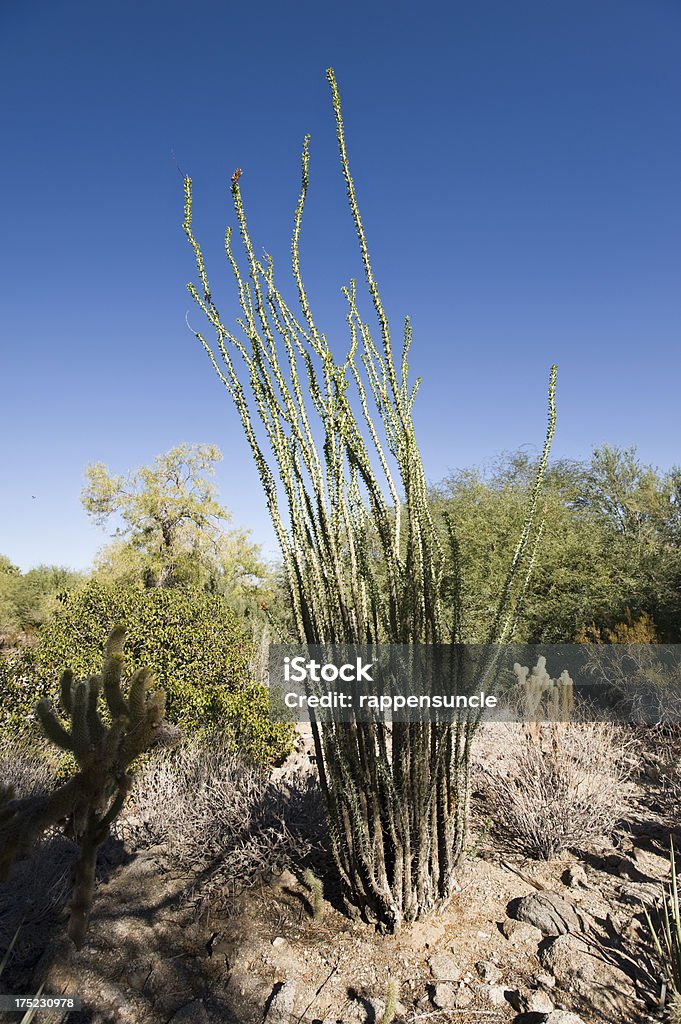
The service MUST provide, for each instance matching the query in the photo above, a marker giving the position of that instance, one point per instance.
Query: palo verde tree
(168, 510)
(346, 490)
(172, 528)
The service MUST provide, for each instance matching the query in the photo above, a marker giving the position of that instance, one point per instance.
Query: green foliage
(172, 531)
(245, 712)
(104, 749)
(28, 599)
(191, 640)
(610, 551)
(667, 937)
(156, 502)
(629, 631)
(8, 577)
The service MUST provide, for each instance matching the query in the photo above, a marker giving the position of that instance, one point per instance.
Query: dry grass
(204, 804)
(26, 765)
(33, 896)
(556, 788)
(659, 754)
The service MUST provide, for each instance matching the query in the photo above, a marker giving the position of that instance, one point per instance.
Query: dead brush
(26, 764)
(207, 806)
(559, 781)
(550, 796)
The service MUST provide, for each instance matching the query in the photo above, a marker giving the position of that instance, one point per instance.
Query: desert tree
(173, 531)
(334, 442)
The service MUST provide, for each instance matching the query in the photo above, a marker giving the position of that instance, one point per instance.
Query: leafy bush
(27, 600)
(191, 641)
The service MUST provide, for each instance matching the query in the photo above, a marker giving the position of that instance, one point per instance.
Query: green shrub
(192, 642)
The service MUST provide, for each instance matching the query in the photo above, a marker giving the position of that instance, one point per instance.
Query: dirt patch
(165, 945)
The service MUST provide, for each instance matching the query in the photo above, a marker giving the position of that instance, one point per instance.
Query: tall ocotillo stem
(335, 447)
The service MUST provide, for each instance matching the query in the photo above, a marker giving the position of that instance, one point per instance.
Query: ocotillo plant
(337, 455)
(90, 801)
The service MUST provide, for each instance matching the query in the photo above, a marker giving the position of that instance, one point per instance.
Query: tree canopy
(173, 531)
(610, 551)
(168, 511)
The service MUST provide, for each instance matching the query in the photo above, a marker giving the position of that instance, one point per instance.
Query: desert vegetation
(153, 811)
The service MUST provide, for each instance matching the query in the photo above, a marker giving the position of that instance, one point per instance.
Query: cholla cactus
(316, 888)
(391, 995)
(545, 698)
(90, 801)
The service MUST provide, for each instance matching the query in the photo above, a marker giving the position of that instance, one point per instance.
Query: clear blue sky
(518, 167)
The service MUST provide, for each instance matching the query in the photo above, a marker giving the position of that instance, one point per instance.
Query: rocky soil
(561, 942)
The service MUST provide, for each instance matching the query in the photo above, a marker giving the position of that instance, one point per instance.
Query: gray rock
(488, 971)
(444, 996)
(464, 997)
(530, 1001)
(563, 1017)
(576, 878)
(545, 981)
(563, 956)
(647, 893)
(191, 1013)
(579, 967)
(444, 967)
(549, 912)
(281, 1004)
(520, 931)
(496, 994)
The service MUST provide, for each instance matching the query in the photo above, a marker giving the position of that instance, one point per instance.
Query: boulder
(444, 967)
(548, 912)
(281, 1003)
(520, 931)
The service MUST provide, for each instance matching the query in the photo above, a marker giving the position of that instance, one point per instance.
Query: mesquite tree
(337, 454)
